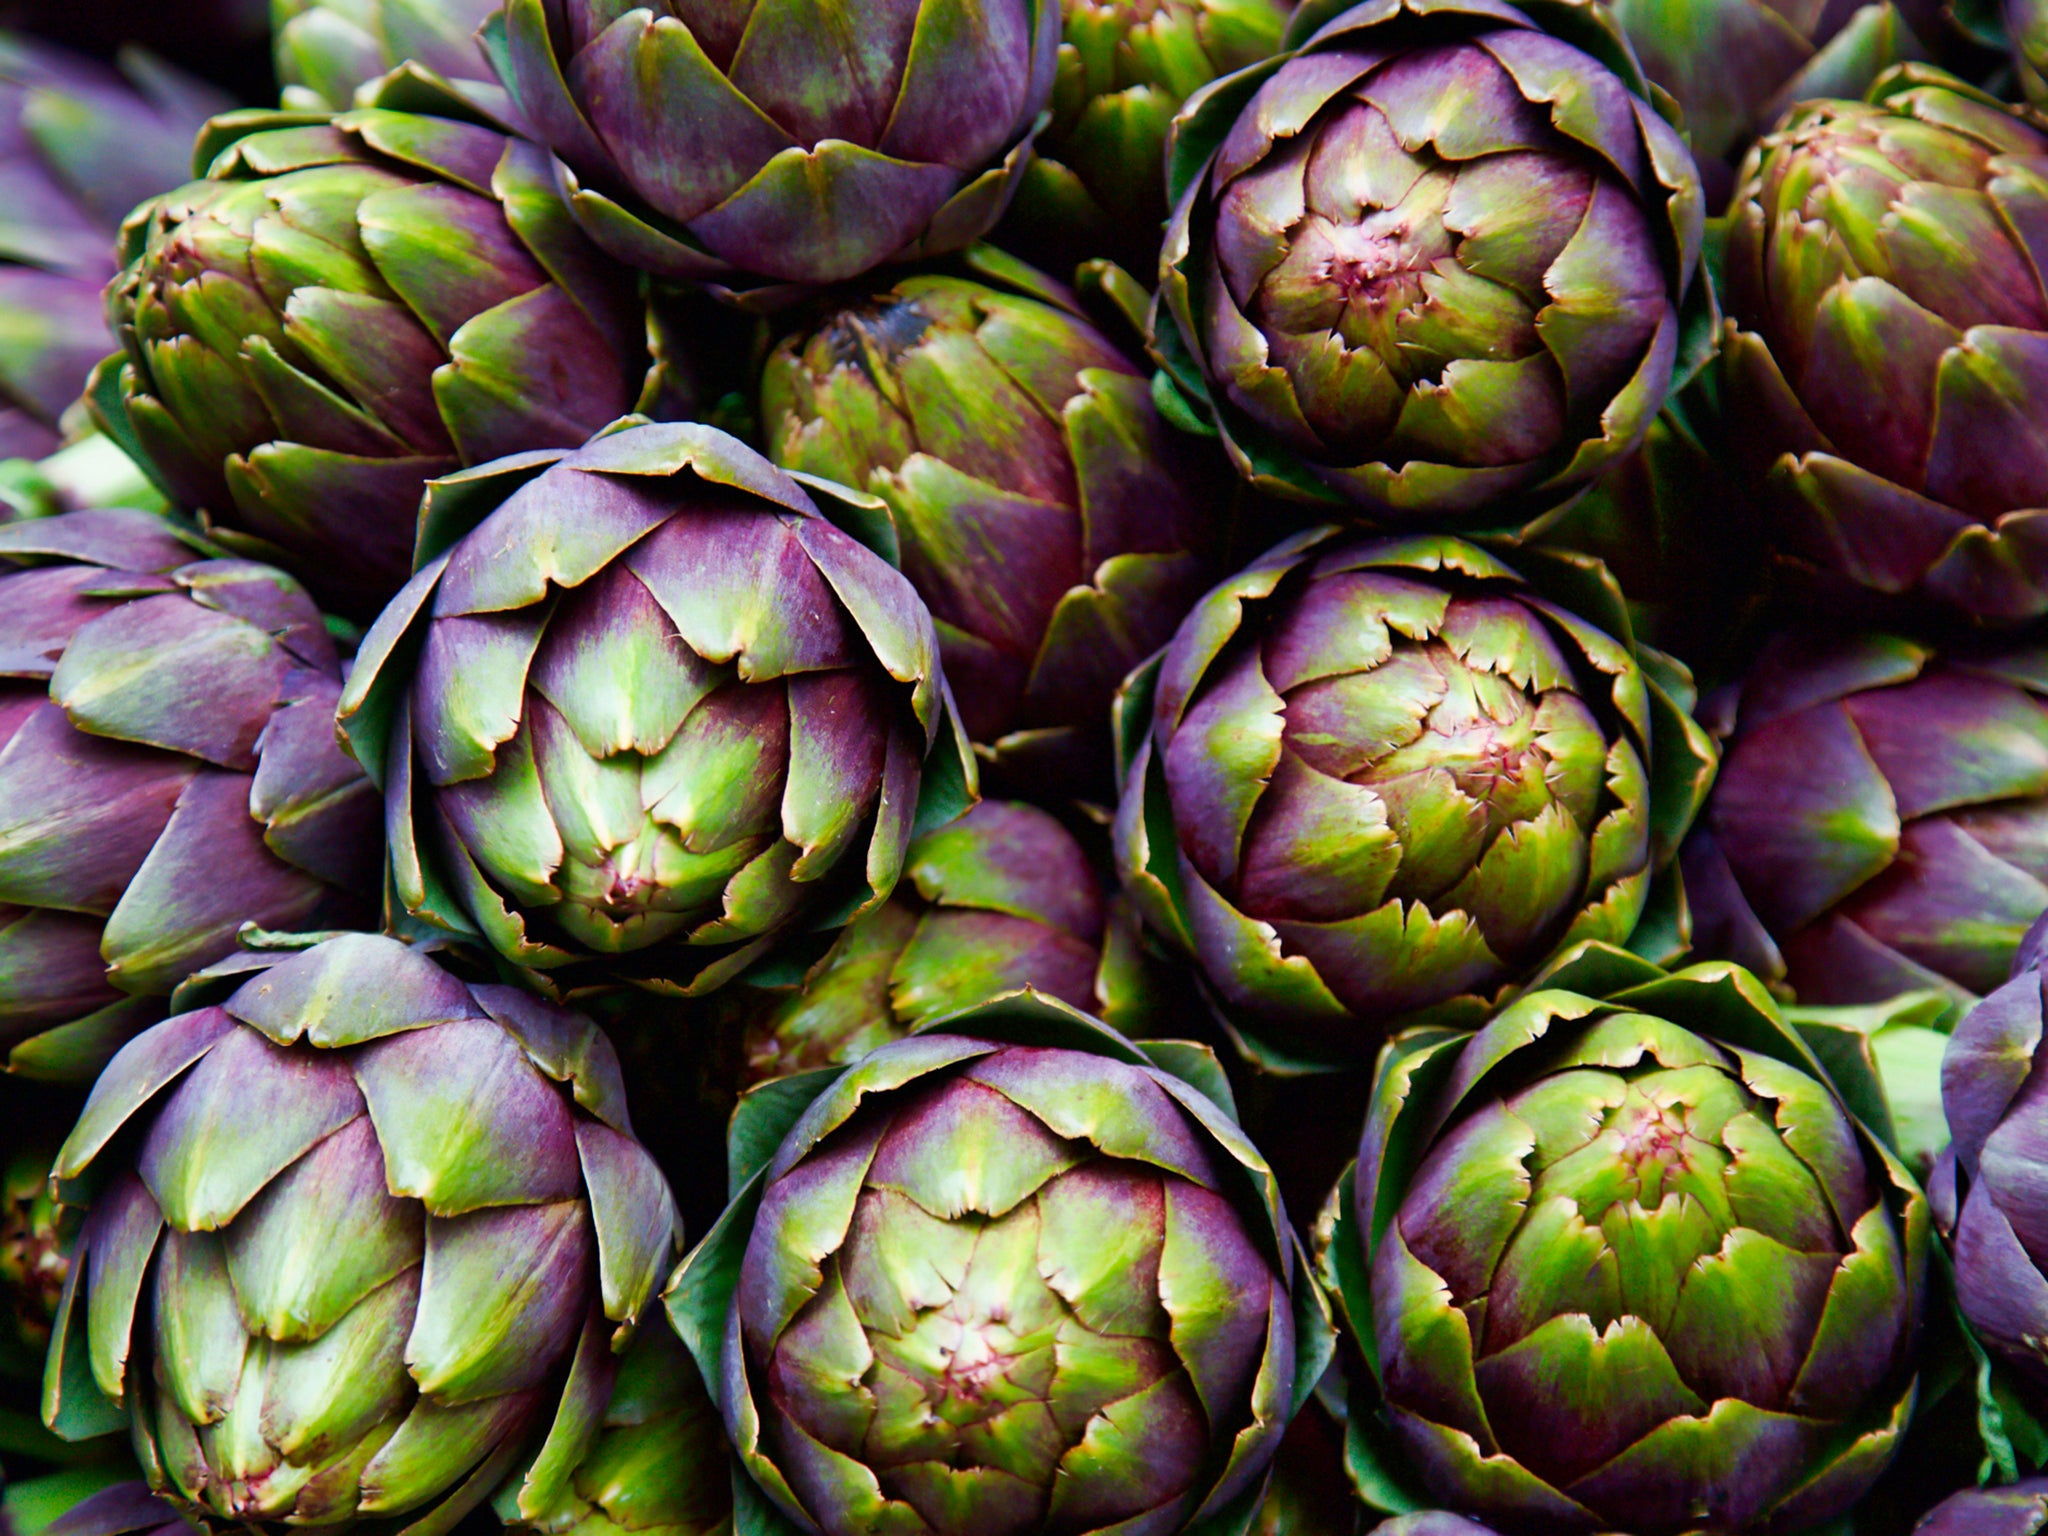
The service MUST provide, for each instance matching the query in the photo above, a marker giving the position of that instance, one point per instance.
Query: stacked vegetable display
(1008, 768)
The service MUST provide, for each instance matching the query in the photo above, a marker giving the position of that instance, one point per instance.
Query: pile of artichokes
(1024, 768)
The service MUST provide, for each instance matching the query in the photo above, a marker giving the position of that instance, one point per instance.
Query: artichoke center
(1653, 1141)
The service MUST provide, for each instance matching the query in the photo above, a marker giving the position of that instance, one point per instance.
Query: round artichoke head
(1432, 262)
(1887, 328)
(1880, 824)
(1623, 1260)
(2018, 1510)
(1010, 1288)
(346, 308)
(371, 1229)
(648, 707)
(1383, 782)
(764, 138)
(1036, 501)
(1097, 186)
(327, 49)
(80, 145)
(168, 772)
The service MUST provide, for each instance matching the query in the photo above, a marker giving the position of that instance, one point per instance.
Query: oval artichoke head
(1052, 522)
(168, 772)
(1432, 262)
(1880, 820)
(1383, 782)
(760, 137)
(1626, 1262)
(1017, 1288)
(649, 707)
(345, 309)
(1887, 322)
(370, 1229)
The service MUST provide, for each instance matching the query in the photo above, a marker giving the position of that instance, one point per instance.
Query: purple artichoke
(168, 772)
(1432, 262)
(1374, 783)
(1034, 498)
(328, 50)
(2020, 1510)
(1888, 341)
(706, 138)
(373, 1232)
(644, 706)
(1009, 1276)
(1880, 823)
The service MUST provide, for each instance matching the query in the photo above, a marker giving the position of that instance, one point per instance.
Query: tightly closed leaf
(168, 772)
(79, 146)
(1383, 781)
(347, 308)
(1888, 341)
(789, 140)
(644, 706)
(1052, 523)
(1624, 1261)
(1431, 263)
(1880, 824)
(369, 1231)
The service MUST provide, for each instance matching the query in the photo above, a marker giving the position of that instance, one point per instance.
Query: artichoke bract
(118, 1511)
(168, 772)
(374, 1228)
(1887, 320)
(2020, 1510)
(1880, 823)
(1097, 186)
(1009, 1275)
(1043, 511)
(347, 308)
(1432, 262)
(2026, 26)
(327, 50)
(1625, 1260)
(1374, 783)
(644, 705)
(80, 145)
(773, 140)
(1003, 898)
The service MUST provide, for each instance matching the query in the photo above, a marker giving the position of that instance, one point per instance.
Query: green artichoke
(1374, 783)
(1097, 187)
(644, 706)
(327, 50)
(1000, 899)
(1886, 339)
(80, 144)
(371, 1232)
(787, 140)
(1432, 262)
(1054, 525)
(1009, 1275)
(168, 772)
(1626, 1260)
(345, 309)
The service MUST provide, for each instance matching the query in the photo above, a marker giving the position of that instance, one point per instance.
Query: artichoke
(1883, 350)
(168, 772)
(372, 1230)
(1002, 898)
(778, 138)
(2026, 25)
(79, 146)
(1374, 783)
(1009, 1275)
(1880, 823)
(1625, 1260)
(118, 1511)
(33, 1262)
(1432, 262)
(345, 309)
(643, 705)
(1735, 65)
(1097, 187)
(327, 50)
(2020, 1510)
(1054, 525)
